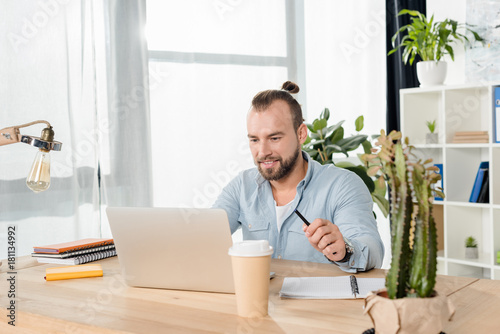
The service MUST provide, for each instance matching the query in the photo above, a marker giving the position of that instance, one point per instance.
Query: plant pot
(431, 73)
(471, 253)
(408, 315)
(431, 138)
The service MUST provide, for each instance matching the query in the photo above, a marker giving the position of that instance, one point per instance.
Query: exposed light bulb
(38, 178)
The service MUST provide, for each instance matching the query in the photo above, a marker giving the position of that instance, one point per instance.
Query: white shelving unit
(459, 108)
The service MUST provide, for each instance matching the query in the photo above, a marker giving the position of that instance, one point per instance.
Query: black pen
(302, 217)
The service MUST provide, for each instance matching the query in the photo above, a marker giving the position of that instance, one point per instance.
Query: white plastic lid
(251, 248)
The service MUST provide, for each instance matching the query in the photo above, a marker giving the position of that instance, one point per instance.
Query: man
(262, 200)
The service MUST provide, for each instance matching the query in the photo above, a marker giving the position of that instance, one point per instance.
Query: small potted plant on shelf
(431, 137)
(471, 248)
(430, 41)
(409, 304)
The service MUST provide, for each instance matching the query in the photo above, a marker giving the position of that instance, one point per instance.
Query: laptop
(173, 248)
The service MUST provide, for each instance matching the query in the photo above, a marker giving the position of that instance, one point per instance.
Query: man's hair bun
(291, 87)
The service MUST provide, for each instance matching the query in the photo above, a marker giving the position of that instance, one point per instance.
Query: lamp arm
(11, 135)
(32, 123)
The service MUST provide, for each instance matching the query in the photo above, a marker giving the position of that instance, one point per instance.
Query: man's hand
(325, 237)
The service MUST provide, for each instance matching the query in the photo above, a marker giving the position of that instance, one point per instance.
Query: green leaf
(361, 172)
(325, 114)
(314, 135)
(319, 124)
(380, 186)
(367, 147)
(336, 148)
(410, 12)
(352, 143)
(310, 127)
(333, 128)
(344, 164)
(337, 135)
(321, 141)
(359, 123)
(313, 153)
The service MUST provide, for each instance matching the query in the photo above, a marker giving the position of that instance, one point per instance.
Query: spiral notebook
(341, 287)
(71, 246)
(80, 259)
(74, 253)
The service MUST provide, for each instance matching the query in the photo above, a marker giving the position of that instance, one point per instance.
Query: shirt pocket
(254, 227)
(298, 247)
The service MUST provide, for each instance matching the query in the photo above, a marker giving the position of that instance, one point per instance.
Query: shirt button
(279, 257)
(249, 225)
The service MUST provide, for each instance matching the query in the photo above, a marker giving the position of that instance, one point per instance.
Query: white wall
(455, 10)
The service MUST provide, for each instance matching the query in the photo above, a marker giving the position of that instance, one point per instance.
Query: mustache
(268, 158)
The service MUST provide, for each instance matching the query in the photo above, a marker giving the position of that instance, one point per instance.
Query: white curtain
(81, 65)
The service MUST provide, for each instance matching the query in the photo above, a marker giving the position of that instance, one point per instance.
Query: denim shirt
(326, 192)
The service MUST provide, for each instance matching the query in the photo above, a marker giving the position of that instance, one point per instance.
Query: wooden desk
(107, 305)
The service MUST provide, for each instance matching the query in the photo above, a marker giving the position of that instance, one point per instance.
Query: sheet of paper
(317, 287)
(365, 285)
(328, 287)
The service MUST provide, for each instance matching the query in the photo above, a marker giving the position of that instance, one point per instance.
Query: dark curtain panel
(399, 75)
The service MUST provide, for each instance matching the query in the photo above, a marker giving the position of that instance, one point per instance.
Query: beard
(284, 168)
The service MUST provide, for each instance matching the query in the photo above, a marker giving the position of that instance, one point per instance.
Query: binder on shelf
(59, 273)
(439, 184)
(80, 259)
(78, 245)
(484, 194)
(476, 188)
(496, 115)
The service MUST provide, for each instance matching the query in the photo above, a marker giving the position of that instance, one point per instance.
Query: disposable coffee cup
(251, 260)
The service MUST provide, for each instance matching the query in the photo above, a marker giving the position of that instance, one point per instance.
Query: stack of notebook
(75, 252)
(471, 137)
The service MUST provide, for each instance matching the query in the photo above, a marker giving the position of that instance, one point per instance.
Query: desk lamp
(39, 176)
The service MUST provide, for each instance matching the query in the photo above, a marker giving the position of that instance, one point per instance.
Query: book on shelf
(78, 245)
(478, 182)
(340, 287)
(471, 137)
(484, 193)
(439, 185)
(79, 259)
(496, 115)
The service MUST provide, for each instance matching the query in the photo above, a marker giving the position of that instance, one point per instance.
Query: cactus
(413, 268)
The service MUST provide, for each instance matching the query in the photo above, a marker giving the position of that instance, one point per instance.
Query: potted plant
(431, 137)
(430, 41)
(409, 304)
(471, 248)
(324, 141)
